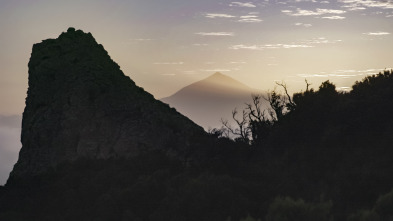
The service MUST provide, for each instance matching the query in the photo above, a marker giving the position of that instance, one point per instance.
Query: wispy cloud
(344, 88)
(268, 46)
(169, 63)
(377, 33)
(250, 20)
(335, 17)
(384, 4)
(301, 44)
(304, 25)
(200, 45)
(354, 7)
(213, 15)
(242, 4)
(215, 33)
(320, 40)
(319, 11)
(349, 73)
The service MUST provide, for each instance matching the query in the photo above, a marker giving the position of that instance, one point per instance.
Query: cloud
(354, 7)
(200, 44)
(347, 89)
(169, 63)
(376, 33)
(384, 4)
(320, 40)
(215, 33)
(250, 20)
(268, 46)
(335, 17)
(304, 25)
(213, 15)
(241, 4)
(168, 74)
(350, 73)
(319, 11)
(302, 44)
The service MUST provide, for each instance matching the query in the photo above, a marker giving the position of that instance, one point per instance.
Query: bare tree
(242, 130)
(289, 104)
(307, 85)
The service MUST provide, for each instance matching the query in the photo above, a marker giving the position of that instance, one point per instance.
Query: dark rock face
(80, 104)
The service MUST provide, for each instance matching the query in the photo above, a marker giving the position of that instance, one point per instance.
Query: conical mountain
(80, 104)
(207, 101)
(216, 84)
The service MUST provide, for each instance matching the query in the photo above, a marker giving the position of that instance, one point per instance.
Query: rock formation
(80, 104)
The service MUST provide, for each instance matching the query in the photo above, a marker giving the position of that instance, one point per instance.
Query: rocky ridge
(80, 104)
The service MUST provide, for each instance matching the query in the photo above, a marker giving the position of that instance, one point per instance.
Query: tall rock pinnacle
(80, 104)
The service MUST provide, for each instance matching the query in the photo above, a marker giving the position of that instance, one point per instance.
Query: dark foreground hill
(80, 104)
(97, 147)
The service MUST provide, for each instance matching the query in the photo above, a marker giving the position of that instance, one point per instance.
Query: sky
(166, 45)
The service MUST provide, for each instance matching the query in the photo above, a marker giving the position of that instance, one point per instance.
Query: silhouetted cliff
(80, 104)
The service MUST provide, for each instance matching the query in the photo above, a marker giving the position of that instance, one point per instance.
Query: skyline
(165, 46)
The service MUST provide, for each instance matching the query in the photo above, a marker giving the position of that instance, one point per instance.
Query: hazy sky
(166, 45)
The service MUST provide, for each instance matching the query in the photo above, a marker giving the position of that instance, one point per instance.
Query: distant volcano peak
(210, 99)
(219, 81)
(218, 74)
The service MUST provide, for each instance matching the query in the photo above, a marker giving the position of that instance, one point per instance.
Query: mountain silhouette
(207, 101)
(80, 104)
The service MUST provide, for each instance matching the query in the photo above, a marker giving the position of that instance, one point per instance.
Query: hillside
(207, 101)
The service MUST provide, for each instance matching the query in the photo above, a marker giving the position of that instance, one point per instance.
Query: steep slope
(80, 104)
(209, 100)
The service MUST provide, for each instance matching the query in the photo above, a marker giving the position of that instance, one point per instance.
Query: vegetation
(316, 155)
